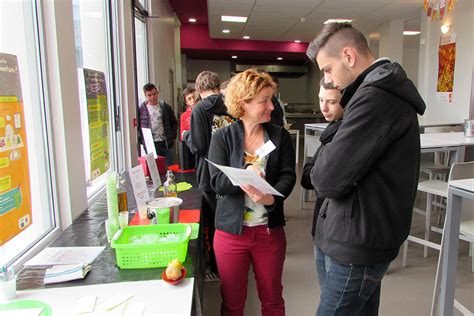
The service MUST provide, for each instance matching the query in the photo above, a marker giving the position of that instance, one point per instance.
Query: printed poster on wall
(446, 62)
(98, 118)
(15, 202)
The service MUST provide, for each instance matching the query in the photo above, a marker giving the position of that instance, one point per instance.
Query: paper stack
(66, 272)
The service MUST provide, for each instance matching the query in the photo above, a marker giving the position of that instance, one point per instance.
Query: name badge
(265, 149)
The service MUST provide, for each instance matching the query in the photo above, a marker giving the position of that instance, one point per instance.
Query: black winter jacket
(277, 115)
(368, 173)
(209, 115)
(227, 148)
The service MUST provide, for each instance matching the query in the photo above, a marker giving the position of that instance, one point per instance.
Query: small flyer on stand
(140, 189)
(149, 143)
(153, 168)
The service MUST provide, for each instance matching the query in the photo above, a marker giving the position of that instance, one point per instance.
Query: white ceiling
(281, 20)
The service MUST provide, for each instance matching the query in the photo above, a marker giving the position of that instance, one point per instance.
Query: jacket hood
(392, 78)
(215, 104)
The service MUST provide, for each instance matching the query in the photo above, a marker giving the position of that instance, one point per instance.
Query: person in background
(249, 223)
(329, 98)
(367, 174)
(190, 97)
(187, 160)
(278, 114)
(209, 115)
(159, 117)
(223, 86)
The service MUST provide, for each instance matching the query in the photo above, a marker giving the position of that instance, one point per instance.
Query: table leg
(449, 253)
(297, 146)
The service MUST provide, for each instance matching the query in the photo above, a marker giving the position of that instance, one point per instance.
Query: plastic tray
(153, 255)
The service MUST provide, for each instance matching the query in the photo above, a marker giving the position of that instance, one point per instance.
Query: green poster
(98, 120)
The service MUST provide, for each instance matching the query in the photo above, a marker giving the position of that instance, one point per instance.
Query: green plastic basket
(152, 255)
(195, 230)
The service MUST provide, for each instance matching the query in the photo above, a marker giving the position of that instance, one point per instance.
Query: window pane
(142, 60)
(94, 71)
(26, 202)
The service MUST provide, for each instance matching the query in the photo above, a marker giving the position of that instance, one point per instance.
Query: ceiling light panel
(411, 33)
(337, 21)
(231, 18)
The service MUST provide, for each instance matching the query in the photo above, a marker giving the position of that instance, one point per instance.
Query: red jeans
(265, 249)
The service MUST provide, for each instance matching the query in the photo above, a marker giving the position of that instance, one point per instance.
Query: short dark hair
(327, 85)
(149, 87)
(207, 81)
(334, 37)
(187, 91)
(275, 80)
(225, 84)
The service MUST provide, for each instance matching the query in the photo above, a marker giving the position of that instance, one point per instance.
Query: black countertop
(89, 230)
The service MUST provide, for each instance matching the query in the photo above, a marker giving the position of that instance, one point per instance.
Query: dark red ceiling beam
(197, 37)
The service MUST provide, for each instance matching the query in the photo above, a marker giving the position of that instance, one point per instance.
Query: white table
(448, 260)
(433, 142)
(159, 297)
(297, 149)
(312, 132)
(453, 142)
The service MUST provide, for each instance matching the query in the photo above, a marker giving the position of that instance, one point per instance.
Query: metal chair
(437, 188)
(466, 231)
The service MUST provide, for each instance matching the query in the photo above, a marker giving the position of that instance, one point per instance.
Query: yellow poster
(15, 203)
(98, 117)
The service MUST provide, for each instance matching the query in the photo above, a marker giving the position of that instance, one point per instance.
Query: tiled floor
(405, 291)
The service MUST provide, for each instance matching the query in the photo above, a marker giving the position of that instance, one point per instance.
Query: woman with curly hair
(249, 223)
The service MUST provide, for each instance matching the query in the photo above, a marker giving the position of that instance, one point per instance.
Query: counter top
(88, 230)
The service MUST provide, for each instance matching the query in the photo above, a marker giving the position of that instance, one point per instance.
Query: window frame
(38, 38)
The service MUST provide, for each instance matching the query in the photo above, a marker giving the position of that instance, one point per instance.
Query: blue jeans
(348, 289)
(162, 150)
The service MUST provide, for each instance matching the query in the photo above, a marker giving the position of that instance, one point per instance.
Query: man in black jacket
(368, 173)
(209, 115)
(159, 117)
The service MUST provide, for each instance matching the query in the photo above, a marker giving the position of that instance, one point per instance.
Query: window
(142, 58)
(27, 205)
(141, 49)
(96, 86)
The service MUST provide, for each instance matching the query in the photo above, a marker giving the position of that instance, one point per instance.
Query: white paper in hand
(242, 176)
